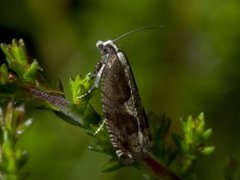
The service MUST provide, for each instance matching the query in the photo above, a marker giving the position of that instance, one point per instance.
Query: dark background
(190, 66)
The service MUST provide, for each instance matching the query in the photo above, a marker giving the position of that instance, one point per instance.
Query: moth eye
(104, 50)
(100, 47)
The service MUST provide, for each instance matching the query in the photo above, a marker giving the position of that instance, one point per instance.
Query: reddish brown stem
(160, 170)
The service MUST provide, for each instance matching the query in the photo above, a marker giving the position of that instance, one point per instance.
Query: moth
(124, 114)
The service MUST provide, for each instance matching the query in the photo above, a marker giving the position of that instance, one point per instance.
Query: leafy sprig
(20, 84)
(12, 126)
(18, 60)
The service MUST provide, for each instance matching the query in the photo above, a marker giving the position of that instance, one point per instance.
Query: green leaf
(191, 147)
(207, 150)
(22, 157)
(200, 123)
(206, 135)
(20, 51)
(18, 60)
(102, 143)
(12, 158)
(21, 129)
(112, 165)
(31, 71)
(78, 87)
(3, 74)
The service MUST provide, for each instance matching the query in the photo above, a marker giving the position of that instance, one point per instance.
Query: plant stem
(159, 170)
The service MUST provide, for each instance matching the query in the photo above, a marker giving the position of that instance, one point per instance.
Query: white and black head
(105, 46)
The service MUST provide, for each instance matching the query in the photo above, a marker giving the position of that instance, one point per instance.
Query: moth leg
(100, 127)
(97, 68)
(96, 82)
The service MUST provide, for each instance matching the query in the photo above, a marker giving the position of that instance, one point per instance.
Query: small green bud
(207, 134)
(207, 150)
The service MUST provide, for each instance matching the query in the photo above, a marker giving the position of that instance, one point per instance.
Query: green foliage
(13, 126)
(3, 74)
(78, 87)
(30, 91)
(112, 165)
(160, 127)
(191, 145)
(18, 60)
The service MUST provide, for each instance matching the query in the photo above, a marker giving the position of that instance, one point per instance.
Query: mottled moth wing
(125, 116)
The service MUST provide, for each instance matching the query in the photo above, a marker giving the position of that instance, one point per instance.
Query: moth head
(104, 46)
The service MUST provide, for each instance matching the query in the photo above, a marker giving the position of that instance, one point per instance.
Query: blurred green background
(190, 66)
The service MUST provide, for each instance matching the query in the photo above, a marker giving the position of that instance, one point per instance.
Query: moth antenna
(137, 30)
